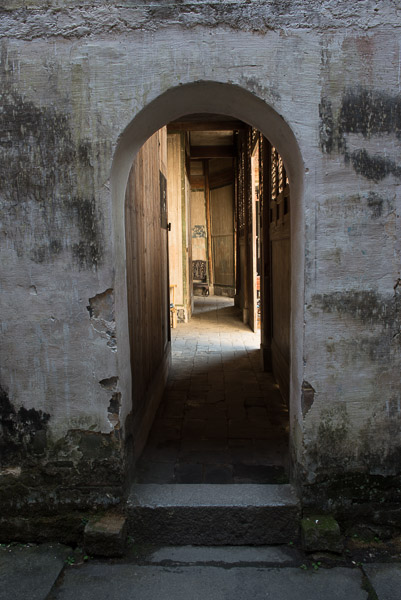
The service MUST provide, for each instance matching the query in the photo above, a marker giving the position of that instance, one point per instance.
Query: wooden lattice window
(241, 190)
(248, 191)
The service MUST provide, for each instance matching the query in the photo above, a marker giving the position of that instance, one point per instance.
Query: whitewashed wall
(75, 78)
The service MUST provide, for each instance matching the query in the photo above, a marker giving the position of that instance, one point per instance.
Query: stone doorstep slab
(212, 495)
(224, 556)
(213, 514)
(97, 581)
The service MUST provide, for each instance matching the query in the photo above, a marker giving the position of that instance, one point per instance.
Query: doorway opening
(202, 277)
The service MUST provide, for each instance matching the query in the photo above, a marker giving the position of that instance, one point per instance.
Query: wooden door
(222, 233)
(253, 239)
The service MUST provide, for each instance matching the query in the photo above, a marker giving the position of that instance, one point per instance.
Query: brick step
(213, 514)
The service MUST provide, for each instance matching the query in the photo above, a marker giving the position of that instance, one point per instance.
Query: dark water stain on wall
(363, 112)
(379, 339)
(382, 432)
(41, 167)
(362, 487)
(22, 433)
(329, 136)
(374, 167)
(366, 305)
(333, 438)
(80, 470)
(377, 206)
(370, 112)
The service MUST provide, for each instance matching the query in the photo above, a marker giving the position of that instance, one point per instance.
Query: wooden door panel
(223, 260)
(280, 273)
(222, 229)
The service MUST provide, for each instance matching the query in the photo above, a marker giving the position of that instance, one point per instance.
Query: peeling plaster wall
(73, 78)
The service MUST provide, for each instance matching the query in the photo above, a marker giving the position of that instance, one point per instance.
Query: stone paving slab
(385, 579)
(29, 572)
(225, 555)
(97, 581)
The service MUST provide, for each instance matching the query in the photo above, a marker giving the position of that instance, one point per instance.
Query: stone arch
(234, 101)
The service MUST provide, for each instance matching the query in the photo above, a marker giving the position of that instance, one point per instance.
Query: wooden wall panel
(179, 215)
(222, 221)
(279, 216)
(187, 251)
(147, 276)
(175, 215)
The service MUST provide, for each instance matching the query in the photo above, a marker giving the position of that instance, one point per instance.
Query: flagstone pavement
(222, 419)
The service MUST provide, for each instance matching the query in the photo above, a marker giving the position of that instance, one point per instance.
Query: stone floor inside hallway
(222, 419)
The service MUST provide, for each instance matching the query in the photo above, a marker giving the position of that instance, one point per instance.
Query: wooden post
(247, 281)
(237, 277)
(208, 226)
(266, 325)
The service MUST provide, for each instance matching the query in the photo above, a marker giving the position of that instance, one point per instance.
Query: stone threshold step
(213, 514)
(98, 581)
(227, 556)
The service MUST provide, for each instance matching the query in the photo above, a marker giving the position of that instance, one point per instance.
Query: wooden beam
(177, 126)
(222, 178)
(212, 151)
(197, 182)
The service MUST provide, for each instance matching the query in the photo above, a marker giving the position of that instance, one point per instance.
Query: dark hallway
(222, 419)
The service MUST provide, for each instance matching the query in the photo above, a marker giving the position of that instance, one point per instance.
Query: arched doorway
(209, 97)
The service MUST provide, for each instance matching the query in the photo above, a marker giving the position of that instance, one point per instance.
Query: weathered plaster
(89, 87)
(32, 19)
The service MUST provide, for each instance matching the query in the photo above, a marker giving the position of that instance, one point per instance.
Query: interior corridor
(222, 419)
